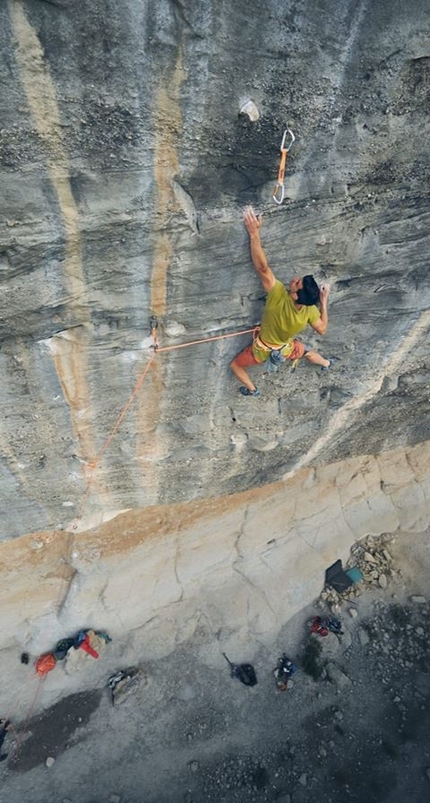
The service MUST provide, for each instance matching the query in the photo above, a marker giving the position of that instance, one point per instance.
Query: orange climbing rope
(92, 465)
(157, 350)
(206, 340)
(124, 410)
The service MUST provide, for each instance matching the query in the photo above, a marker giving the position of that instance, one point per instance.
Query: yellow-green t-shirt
(282, 321)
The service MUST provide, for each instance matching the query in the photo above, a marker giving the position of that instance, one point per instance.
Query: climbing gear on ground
(45, 663)
(63, 648)
(116, 678)
(279, 190)
(244, 672)
(336, 578)
(322, 625)
(247, 392)
(86, 646)
(79, 638)
(120, 680)
(285, 669)
(82, 640)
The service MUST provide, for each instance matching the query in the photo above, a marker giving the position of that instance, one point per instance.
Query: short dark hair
(310, 293)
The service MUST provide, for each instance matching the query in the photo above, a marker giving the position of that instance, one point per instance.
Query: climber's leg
(317, 359)
(246, 358)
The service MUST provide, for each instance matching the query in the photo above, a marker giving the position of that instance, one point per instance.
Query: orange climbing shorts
(257, 353)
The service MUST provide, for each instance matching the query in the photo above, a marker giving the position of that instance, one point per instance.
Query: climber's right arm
(259, 260)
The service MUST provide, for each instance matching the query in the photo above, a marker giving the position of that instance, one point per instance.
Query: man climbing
(288, 310)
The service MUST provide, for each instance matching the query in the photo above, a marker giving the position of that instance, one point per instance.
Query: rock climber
(288, 310)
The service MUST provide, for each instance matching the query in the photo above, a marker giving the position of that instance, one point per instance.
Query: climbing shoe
(332, 361)
(246, 392)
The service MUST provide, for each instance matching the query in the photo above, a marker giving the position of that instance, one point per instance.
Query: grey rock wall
(125, 166)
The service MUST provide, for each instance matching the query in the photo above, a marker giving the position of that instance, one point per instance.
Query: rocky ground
(353, 727)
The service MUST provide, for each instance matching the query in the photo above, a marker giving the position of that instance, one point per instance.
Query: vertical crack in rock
(110, 610)
(340, 421)
(67, 351)
(186, 203)
(167, 129)
(175, 571)
(241, 532)
(66, 592)
(256, 589)
(69, 358)
(69, 573)
(242, 574)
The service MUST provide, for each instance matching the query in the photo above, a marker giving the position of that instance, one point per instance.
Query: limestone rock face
(125, 165)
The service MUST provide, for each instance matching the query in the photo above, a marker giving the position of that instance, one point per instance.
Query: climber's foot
(247, 392)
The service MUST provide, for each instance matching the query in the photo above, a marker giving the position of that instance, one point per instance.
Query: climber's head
(304, 290)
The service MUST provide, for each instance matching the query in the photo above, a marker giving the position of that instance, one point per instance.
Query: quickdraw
(153, 325)
(279, 190)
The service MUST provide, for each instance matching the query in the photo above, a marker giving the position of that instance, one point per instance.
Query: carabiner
(293, 139)
(278, 193)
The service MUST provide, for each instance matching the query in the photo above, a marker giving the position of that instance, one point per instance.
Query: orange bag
(45, 663)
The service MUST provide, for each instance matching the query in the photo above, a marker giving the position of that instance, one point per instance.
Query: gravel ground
(187, 732)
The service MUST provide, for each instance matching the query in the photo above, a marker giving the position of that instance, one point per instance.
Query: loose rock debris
(375, 564)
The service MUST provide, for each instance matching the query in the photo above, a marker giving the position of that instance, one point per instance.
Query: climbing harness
(260, 344)
(276, 357)
(279, 190)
